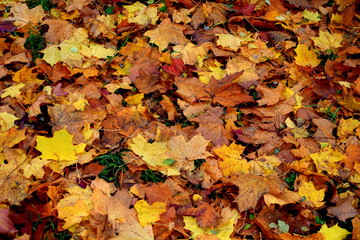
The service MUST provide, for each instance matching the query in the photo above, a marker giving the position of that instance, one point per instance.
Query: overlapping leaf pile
(177, 119)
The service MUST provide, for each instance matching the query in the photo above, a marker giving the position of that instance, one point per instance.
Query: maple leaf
(192, 54)
(264, 165)
(141, 14)
(11, 137)
(327, 160)
(252, 188)
(153, 154)
(6, 121)
(6, 225)
(75, 207)
(206, 215)
(222, 231)
(305, 57)
(149, 214)
(344, 209)
(333, 233)
(166, 33)
(326, 40)
(59, 149)
(346, 127)
(23, 15)
(233, 42)
(186, 152)
(58, 26)
(35, 168)
(13, 91)
(14, 186)
(227, 93)
(232, 160)
(132, 229)
(316, 197)
(241, 64)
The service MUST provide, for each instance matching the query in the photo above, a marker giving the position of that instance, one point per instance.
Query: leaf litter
(179, 120)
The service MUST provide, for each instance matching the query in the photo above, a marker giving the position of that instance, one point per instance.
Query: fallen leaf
(185, 152)
(232, 160)
(59, 149)
(327, 160)
(305, 57)
(326, 40)
(6, 225)
(75, 206)
(166, 33)
(149, 214)
(344, 209)
(316, 197)
(23, 15)
(333, 233)
(227, 93)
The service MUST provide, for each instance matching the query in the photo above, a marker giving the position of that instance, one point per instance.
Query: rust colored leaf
(227, 93)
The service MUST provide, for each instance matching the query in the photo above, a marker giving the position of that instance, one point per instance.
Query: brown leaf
(66, 116)
(191, 89)
(325, 130)
(252, 188)
(205, 214)
(6, 225)
(166, 33)
(227, 93)
(58, 26)
(270, 96)
(344, 209)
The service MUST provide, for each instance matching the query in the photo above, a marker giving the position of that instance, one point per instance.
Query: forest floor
(179, 119)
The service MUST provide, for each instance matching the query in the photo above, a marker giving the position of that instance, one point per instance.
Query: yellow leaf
(327, 40)
(347, 127)
(308, 190)
(336, 18)
(141, 14)
(152, 153)
(149, 214)
(327, 160)
(7, 121)
(192, 54)
(333, 233)
(166, 33)
(312, 16)
(305, 57)
(120, 71)
(300, 132)
(211, 69)
(264, 165)
(135, 99)
(241, 64)
(222, 231)
(191, 224)
(99, 51)
(35, 168)
(25, 75)
(232, 160)
(232, 42)
(80, 104)
(11, 137)
(72, 51)
(13, 91)
(60, 149)
(75, 207)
